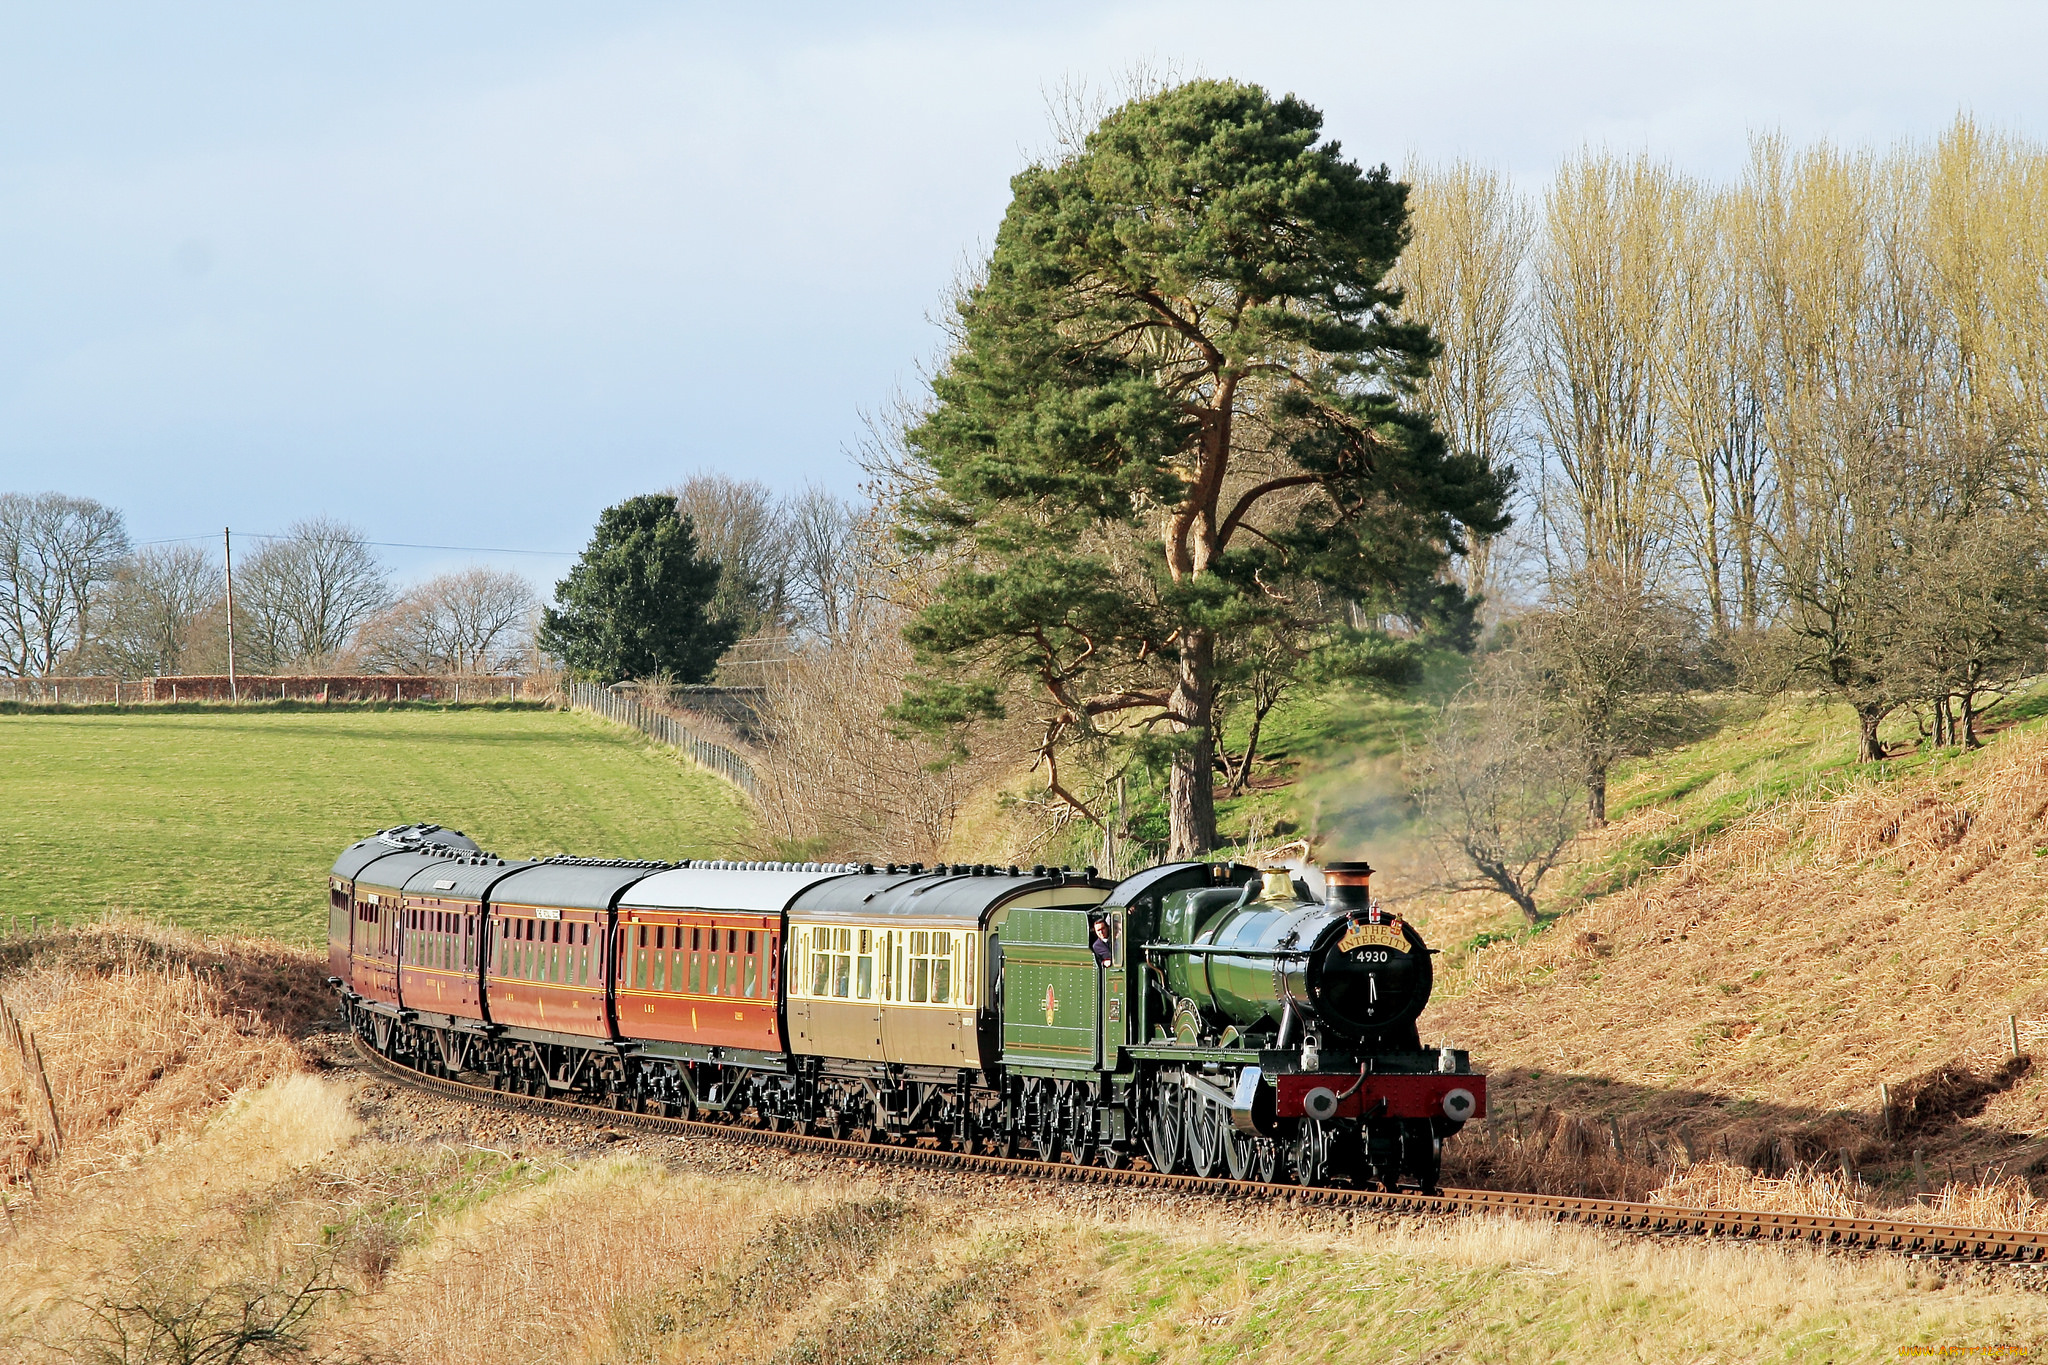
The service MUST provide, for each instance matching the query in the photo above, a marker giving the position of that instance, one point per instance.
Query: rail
(1869, 1234)
(664, 727)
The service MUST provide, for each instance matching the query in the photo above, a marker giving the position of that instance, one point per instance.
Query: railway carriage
(548, 973)
(365, 896)
(444, 933)
(698, 992)
(891, 995)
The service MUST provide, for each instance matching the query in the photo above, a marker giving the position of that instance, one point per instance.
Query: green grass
(1756, 756)
(226, 820)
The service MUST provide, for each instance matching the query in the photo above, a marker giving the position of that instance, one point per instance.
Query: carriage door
(1115, 1030)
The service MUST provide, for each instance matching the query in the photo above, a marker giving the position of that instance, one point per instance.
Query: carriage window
(696, 960)
(942, 968)
(967, 977)
(842, 961)
(931, 967)
(753, 974)
(864, 969)
(661, 936)
(920, 966)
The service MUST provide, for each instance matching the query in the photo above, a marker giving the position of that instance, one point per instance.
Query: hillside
(227, 819)
(1747, 994)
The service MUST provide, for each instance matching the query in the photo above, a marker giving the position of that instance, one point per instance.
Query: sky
(464, 273)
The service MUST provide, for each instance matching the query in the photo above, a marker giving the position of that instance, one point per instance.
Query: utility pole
(227, 554)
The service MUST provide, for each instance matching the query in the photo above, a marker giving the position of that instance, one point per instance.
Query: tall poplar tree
(1182, 387)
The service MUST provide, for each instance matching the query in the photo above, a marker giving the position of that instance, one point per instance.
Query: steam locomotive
(1212, 1018)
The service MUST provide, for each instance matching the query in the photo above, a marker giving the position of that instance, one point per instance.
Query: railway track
(1869, 1234)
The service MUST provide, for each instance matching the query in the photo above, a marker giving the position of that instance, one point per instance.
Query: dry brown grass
(142, 1032)
(1755, 995)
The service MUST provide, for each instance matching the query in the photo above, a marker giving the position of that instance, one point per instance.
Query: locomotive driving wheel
(1208, 1137)
(1163, 1122)
(1252, 1157)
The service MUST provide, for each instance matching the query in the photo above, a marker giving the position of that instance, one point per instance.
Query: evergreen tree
(1182, 386)
(635, 605)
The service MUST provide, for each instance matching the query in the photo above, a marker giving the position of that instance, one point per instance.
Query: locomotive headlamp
(1459, 1104)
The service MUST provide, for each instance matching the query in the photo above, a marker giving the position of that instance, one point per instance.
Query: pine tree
(1182, 385)
(635, 605)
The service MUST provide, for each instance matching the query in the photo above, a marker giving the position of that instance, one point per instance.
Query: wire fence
(664, 727)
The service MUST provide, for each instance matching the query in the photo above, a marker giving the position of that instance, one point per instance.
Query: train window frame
(944, 968)
(842, 962)
(920, 983)
(864, 964)
(935, 967)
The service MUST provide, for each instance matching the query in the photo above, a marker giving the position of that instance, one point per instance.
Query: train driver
(1098, 938)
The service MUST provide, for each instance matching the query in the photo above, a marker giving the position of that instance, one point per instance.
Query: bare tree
(1973, 616)
(1603, 287)
(1499, 798)
(1462, 274)
(164, 606)
(739, 526)
(300, 599)
(1711, 415)
(1611, 663)
(57, 554)
(826, 550)
(473, 621)
(835, 779)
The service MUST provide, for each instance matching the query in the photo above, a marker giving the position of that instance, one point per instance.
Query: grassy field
(225, 820)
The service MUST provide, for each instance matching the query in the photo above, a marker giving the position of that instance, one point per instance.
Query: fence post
(2012, 1033)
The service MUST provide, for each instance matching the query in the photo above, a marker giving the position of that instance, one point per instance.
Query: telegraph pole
(227, 555)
